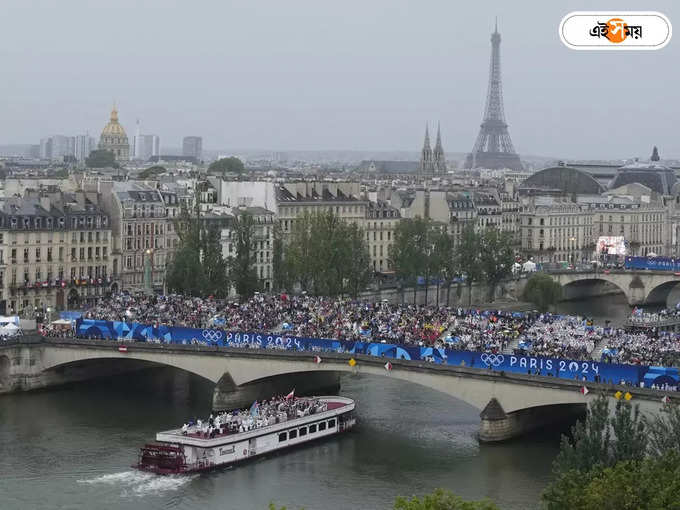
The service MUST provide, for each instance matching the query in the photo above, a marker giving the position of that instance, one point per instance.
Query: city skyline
(369, 91)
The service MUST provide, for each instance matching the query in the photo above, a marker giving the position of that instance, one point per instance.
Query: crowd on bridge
(532, 334)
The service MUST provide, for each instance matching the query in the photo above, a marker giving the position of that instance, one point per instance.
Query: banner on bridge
(538, 365)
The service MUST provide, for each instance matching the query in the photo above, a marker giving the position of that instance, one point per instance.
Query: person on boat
(185, 429)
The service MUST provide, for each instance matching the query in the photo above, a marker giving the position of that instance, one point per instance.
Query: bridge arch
(577, 287)
(661, 293)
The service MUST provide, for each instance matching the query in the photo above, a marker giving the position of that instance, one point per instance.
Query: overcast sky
(318, 74)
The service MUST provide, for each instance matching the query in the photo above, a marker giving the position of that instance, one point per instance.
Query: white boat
(237, 437)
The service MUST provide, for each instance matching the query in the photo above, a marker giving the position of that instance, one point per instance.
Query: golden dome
(113, 128)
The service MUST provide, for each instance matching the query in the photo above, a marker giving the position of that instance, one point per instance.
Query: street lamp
(571, 246)
(147, 271)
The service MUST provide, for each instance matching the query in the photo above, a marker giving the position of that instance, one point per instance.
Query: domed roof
(564, 179)
(655, 176)
(113, 128)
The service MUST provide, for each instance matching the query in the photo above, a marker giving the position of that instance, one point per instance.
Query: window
(312, 429)
(322, 426)
(303, 431)
(292, 434)
(283, 436)
(331, 424)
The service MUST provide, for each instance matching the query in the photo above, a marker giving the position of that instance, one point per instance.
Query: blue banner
(514, 363)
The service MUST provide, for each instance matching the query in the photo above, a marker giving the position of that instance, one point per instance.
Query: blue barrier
(556, 367)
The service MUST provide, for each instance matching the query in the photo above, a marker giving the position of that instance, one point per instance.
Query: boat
(236, 436)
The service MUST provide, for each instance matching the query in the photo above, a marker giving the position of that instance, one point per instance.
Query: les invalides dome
(115, 139)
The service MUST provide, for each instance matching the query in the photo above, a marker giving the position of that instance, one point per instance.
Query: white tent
(10, 330)
(529, 266)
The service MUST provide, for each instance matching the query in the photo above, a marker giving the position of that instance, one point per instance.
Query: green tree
(442, 500)
(542, 291)
(101, 158)
(279, 267)
(468, 254)
(214, 266)
(496, 257)
(446, 264)
(326, 255)
(649, 484)
(599, 443)
(358, 271)
(232, 165)
(242, 265)
(152, 172)
(410, 252)
(664, 430)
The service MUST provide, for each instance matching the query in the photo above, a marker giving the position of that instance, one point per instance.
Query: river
(71, 448)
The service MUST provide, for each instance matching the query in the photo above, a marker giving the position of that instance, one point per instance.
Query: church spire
(438, 158)
(426, 167)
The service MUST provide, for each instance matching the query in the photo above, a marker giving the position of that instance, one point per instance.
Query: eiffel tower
(493, 147)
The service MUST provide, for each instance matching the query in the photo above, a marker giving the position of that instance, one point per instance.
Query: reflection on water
(73, 447)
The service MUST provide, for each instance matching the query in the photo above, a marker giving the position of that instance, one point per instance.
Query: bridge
(510, 404)
(639, 287)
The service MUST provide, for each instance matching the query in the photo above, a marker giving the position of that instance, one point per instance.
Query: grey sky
(316, 74)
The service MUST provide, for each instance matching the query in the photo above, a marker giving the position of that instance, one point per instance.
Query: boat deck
(335, 406)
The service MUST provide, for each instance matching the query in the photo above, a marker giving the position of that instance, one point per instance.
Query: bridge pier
(497, 425)
(227, 395)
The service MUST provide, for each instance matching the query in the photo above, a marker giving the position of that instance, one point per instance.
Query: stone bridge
(639, 287)
(509, 404)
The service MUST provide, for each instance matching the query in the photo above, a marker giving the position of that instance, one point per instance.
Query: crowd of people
(431, 326)
(261, 414)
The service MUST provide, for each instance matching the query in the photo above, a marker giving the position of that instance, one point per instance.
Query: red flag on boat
(388, 366)
(122, 348)
(584, 390)
(666, 399)
(291, 394)
(317, 359)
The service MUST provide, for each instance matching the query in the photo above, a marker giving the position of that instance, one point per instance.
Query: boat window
(303, 431)
(322, 426)
(282, 437)
(292, 434)
(312, 428)
(331, 424)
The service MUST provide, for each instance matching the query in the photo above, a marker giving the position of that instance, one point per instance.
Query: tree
(496, 257)
(326, 255)
(410, 252)
(152, 171)
(598, 444)
(242, 265)
(468, 257)
(214, 266)
(359, 261)
(444, 261)
(542, 291)
(279, 267)
(101, 158)
(442, 500)
(232, 165)
(664, 430)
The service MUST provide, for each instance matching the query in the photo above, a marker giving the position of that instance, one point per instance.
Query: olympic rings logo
(492, 359)
(212, 335)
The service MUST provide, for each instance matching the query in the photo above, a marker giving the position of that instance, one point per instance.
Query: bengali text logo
(639, 30)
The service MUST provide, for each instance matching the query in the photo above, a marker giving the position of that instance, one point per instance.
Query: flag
(584, 390)
(628, 396)
(388, 366)
(618, 395)
(255, 409)
(665, 400)
(122, 348)
(352, 362)
(317, 359)
(291, 394)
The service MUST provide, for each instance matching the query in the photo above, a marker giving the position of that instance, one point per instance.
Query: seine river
(71, 448)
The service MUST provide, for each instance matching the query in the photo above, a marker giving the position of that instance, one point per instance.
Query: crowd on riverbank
(436, 326)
